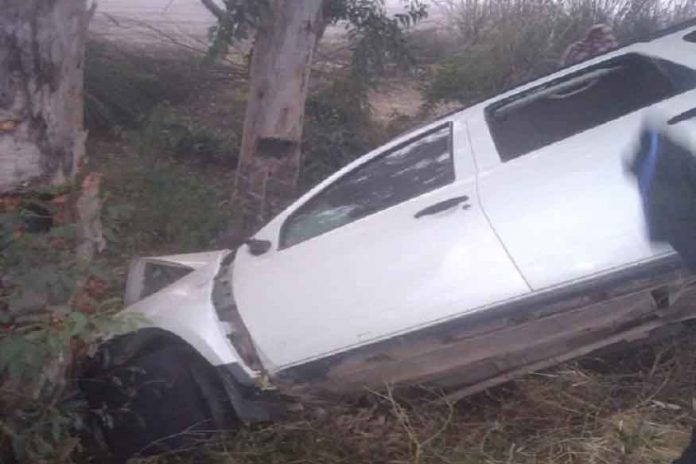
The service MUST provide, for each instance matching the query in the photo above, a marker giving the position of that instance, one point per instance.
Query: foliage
(376, 37)
(500, 43)
(338, 129)
(239, 21)
(43, 424)
(53, 309)
(164, 132)
(157, 206)
(124, 83)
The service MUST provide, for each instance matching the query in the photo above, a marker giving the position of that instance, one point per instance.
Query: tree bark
(270, 156)
(42, 44)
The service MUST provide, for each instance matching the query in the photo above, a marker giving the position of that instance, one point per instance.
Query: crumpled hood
(185, 306)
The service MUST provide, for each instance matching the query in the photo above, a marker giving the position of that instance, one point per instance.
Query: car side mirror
(257, 247)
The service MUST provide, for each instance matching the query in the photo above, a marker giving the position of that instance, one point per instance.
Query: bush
(123, 84)
(155, 206)
(504, 42)
(165, 133)
(338, 128)
(54, 308)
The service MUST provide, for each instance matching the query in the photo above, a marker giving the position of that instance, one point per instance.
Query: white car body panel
(387, 274)
(570, 209)
(382, 275)
(580, 212)
(185, 308)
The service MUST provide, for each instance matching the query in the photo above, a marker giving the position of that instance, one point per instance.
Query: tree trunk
(270, 157)
(42, 43)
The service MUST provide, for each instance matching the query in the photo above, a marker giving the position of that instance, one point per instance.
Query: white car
(501, 239)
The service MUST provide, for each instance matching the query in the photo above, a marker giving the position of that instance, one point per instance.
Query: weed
(166, 134)
(338, 129)
(123, 84)
(498, 44)
(156, 206)
(54, 308)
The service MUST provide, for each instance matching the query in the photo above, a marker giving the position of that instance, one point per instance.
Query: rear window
(582, 100)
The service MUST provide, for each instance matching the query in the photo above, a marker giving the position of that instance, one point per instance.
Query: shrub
(338, 128)
(504, 42)
(123, 84)
(165, 133)
(155, 206)
(54, 308)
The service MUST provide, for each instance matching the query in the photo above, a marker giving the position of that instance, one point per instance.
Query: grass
(166, 153)
(124, 83)
(156, 206)
(496, 44)
(628, 406)
(168, 134)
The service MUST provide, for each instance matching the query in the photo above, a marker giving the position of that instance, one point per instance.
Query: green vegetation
(167, 166)
(165, 133)
(162, 192)
(123, 84)
(338, 129)
(54, 308)
(496, 44)
(156, 206)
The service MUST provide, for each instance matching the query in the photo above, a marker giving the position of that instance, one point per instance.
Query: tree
(286, 35)
(41, 81)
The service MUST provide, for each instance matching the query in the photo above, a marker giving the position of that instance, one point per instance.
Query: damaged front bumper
(190, 296)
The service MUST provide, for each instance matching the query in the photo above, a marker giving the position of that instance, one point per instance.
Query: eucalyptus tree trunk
(270, 156)
(42, 44)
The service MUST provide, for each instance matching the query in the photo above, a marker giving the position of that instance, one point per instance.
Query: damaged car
(499, 240)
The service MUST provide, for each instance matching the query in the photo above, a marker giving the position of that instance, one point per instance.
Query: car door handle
(441, 206)
(688, 114)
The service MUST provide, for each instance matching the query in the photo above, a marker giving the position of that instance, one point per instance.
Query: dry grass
(496, 44)
(631, 406)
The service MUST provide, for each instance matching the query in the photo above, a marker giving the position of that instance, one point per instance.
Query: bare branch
(215, 9)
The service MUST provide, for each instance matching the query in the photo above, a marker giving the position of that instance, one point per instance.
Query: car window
(583, 100)
(415, 167)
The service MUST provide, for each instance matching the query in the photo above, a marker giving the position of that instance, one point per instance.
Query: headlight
(150, 275)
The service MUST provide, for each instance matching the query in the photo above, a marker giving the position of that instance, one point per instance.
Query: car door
(553, 158)
(395, 241)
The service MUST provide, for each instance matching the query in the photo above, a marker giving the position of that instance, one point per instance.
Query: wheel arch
(248, 402)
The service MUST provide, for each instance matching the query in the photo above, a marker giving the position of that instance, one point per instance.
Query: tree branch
(215, 9)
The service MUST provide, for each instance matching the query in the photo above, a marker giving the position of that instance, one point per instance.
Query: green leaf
(56, 430)
(80, 321)
(67, 231)
(5, 317)
(10, 347)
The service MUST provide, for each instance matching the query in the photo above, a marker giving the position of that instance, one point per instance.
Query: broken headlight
(147, 276)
